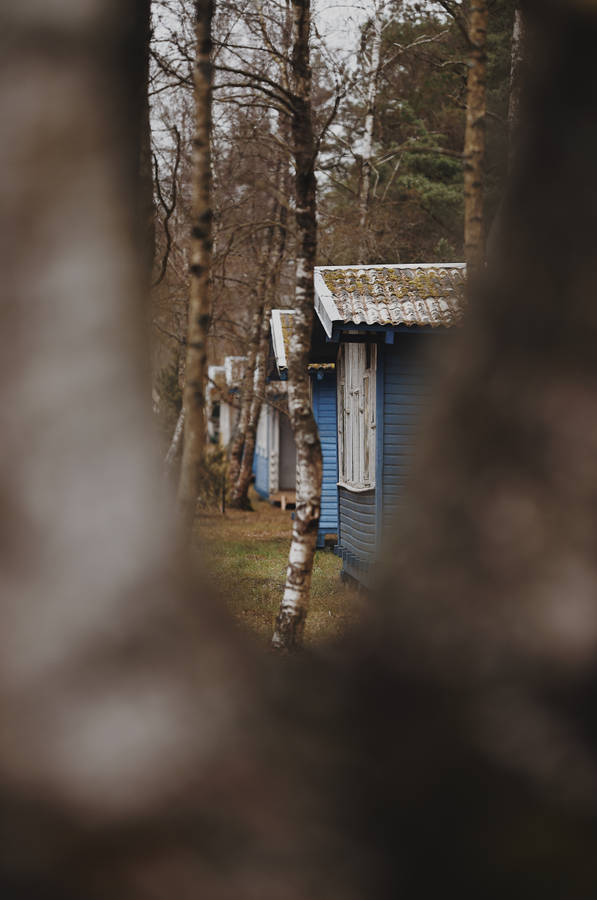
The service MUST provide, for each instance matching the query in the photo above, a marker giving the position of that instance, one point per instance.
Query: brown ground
(247, 553)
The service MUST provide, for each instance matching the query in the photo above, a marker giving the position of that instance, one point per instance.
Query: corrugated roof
(414, 294)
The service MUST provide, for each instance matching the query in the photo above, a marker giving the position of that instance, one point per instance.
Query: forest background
(390, 121)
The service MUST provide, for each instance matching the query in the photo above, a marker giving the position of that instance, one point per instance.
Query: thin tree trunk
(200, 272)
(365, 187)
(237, 443)
(240, 492)
(273, 256)
(291, 618)
(239, 495)
(474, 140)
(235, 452)
(174, 443)
(245, 439)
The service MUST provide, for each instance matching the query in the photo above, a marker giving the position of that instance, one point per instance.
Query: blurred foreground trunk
(105, 719)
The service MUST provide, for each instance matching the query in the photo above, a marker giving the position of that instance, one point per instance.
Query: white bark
(99, 713)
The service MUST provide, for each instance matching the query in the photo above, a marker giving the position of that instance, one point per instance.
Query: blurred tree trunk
(200, 272)
(99, 698)
(291, 618)
(474, 139)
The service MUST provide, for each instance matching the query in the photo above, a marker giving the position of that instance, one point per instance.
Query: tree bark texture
(200, 272)
(373, 79)
(291, 618)
(474, 140)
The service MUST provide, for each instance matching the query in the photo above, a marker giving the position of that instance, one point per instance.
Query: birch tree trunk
(365, 186)
(291, 618)
(474, 140)
(200, 273)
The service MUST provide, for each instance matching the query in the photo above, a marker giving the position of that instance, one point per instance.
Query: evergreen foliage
(416, 200)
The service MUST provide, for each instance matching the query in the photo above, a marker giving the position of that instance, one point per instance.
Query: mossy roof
(421, 294)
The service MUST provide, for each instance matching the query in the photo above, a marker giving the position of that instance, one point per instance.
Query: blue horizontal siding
(261, 461)
(357, 529)
(261, 475)
(324, 410)
(405, 396)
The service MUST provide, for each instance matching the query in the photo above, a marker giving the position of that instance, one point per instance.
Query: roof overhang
(277, 332)
(325, 306)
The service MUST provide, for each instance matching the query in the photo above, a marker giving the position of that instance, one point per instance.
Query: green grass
(247, 553)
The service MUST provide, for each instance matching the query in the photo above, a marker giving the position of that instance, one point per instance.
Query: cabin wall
(405, 395)
(225, 424)
(357, 532)
(261, 463)
(365, 518)
(324, 410)
(274, 450)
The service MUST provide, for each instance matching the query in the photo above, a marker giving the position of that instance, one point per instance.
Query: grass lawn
(247, 554)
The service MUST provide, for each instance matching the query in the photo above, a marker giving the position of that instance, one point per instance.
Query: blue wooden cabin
(274, 460)
(380, 320)
(322, 371)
